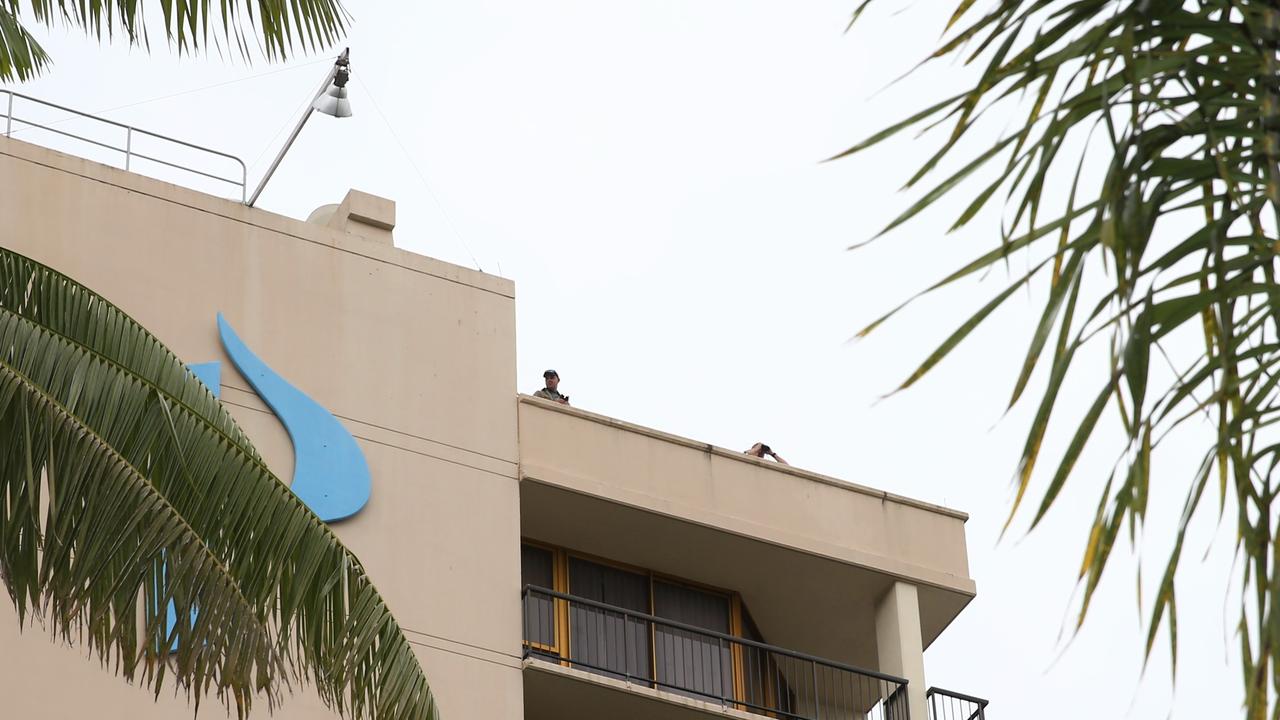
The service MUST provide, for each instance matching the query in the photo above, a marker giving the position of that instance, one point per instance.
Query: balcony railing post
(626, 646)
(720, 680)
(128, 146)
(8, 123)
(817, 709)
(524, 622)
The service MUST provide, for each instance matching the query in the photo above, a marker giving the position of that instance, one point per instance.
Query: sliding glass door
(621, 640)
(606, 640)
(689, 662)
(537, 568)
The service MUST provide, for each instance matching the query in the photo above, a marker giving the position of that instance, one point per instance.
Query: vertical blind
(537, 568)
(609, 642)
(603, 639)
(632, 634)
(690, 662)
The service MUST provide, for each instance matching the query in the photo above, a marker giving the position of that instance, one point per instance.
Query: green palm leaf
(1180, 103)
(125, 485)
(276, 29)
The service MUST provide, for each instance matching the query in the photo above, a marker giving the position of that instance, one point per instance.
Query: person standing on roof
(550, 392)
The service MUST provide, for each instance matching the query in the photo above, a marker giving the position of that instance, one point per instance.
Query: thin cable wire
(217, 85)
(306, 101)
(288, 119)
(405, 152)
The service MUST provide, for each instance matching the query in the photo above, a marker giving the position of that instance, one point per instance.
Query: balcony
(693, 669)
(813, 556)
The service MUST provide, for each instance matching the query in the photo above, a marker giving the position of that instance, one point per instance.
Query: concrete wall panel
(414, 356)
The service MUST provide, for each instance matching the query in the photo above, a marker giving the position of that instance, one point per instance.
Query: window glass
(537, 569)
(688, 661)
(606, 639)
(608, 584)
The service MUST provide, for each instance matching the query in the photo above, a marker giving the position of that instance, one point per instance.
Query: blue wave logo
(330, 474)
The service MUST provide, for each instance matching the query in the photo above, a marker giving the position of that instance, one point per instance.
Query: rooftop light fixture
(333, 101)
(330, 99)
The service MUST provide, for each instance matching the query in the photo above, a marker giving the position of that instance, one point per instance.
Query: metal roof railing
(130, 134)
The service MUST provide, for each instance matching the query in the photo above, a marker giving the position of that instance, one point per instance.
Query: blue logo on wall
(330, 474)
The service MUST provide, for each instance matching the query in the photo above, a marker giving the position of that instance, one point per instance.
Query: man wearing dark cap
(550, 392)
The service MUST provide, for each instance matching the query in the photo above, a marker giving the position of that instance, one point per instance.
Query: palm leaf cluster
(125, 486)
(277, 29)
(1172, 245)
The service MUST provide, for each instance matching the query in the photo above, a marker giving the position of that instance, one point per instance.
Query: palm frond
(277, 30)
(21, 57)
(1180, 103)
(151, 494)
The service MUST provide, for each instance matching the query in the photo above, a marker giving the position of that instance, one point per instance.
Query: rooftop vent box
(360, 214)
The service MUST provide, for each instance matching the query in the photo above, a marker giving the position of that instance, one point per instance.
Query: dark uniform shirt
(549, 394)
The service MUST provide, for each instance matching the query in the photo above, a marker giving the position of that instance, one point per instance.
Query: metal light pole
(337, 79)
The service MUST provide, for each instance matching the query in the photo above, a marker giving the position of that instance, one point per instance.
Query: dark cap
(550, 373)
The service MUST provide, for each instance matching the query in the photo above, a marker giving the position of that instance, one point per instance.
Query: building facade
(545, 561)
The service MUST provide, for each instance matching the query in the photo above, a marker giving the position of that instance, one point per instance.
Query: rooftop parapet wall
(710, 486)
(400, 333)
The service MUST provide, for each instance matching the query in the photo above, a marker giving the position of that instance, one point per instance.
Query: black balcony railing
(948, 705)
(703, 664)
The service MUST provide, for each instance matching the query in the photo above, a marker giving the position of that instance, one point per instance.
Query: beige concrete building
(545, 561)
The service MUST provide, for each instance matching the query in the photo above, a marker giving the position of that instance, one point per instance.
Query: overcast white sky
(648, 174)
